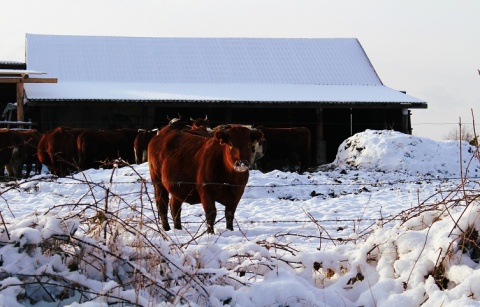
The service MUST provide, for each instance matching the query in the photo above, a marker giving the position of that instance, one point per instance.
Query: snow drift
(392, 151)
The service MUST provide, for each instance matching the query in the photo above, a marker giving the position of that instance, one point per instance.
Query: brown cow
(196, 169)
(286, 149)
(100, 146)
(140, 144)
(11, 152)
(57, 149)
(31, 139)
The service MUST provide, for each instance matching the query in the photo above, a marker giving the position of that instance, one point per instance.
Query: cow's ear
(256, 135)
(221, 136)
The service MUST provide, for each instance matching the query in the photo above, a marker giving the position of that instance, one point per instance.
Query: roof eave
(237, 103)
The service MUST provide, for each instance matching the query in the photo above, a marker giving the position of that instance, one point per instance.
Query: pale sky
(428, 48)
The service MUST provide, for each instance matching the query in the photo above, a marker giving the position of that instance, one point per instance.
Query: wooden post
(321, 157)
(20, 101)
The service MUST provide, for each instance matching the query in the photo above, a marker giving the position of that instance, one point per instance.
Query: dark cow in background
(31, 138)
(18, 148)
(57, 150)
(201, 126)
(140, 144)
(287, 149)
(143, 138)
(196, 169)
(99, 147)
(11, 152)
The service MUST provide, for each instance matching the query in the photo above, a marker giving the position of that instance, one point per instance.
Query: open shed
(326, 84)
(13, 76)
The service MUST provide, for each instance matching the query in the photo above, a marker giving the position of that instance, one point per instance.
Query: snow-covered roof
(277, 93)
(334, 70)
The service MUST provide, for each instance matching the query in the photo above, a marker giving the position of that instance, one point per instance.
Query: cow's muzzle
(241, 166)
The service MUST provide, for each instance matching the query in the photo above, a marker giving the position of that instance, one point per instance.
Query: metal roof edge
(235, 103)
(370, 62)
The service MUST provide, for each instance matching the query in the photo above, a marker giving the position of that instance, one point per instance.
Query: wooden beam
(11, 80)
(27, 80)
(40, 80)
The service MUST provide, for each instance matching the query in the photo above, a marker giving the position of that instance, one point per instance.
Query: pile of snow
(393, 151)
(387, 225)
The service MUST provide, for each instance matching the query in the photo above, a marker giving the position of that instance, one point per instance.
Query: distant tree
(465, 135)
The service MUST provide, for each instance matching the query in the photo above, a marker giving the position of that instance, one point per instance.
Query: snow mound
(392, 151)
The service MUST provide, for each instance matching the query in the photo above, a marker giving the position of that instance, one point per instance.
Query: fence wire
(104, 185)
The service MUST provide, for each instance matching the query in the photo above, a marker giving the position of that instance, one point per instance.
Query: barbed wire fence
(30, 184)
(127, 205)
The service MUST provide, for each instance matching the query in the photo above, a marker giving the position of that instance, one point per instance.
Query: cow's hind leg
(176, 210)
(38, 167)
(230, 215)
(161, 199)
(28, 168)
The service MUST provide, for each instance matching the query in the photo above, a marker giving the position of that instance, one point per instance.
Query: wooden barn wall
(99, 117)
(340, 124)
(336, 128)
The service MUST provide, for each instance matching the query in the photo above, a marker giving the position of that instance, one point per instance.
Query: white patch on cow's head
(241, 166)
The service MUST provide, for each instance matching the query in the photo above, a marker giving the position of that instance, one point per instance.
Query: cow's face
(258, 150)
(200, 123)
(238, 143)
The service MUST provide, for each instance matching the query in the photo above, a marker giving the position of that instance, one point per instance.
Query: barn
(326, 84)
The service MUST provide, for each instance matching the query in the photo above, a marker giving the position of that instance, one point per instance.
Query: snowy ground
(385, 224)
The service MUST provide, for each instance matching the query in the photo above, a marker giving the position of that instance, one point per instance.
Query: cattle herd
(188, 160)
